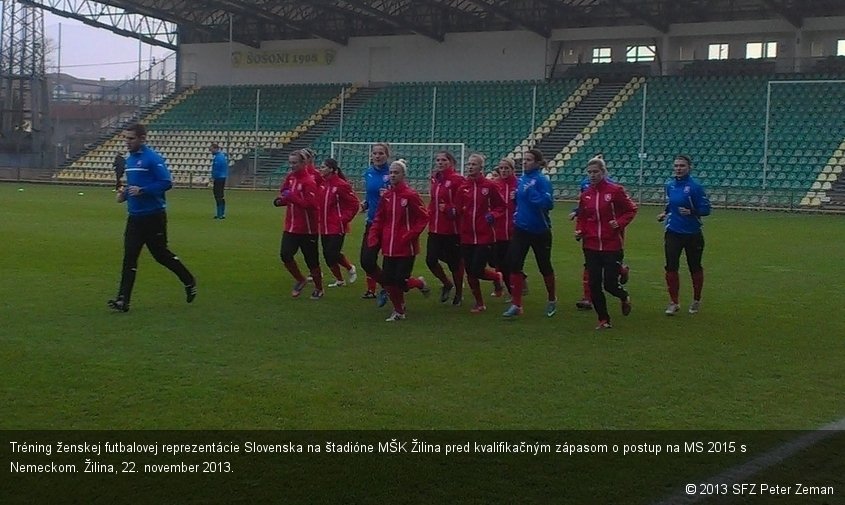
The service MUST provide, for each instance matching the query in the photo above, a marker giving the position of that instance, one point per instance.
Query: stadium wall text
(244, 59)
(403, 58)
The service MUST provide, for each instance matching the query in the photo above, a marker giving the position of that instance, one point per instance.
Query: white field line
(741, 473)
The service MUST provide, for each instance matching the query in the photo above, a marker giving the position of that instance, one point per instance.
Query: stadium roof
(166, 22)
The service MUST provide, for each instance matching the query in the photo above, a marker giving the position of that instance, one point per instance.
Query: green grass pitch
(765, 352)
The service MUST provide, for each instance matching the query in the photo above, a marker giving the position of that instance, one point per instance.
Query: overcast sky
(92, 53)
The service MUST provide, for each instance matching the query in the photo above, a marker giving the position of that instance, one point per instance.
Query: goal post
(354, 157)
(768, 125)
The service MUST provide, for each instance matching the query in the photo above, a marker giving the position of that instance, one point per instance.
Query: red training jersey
(442, 209)
(599, 205)
(400, 219)
(507, 189)
(478, 197)
(301, 202)
(338, 205)
(315, 173)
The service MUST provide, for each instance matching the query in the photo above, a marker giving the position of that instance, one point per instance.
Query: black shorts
(445, 248)
(293, 242)
(396, 270)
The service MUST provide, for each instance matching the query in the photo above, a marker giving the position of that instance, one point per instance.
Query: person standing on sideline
(338, 205)
(298, 193)
(443, 238)
(147, 178)
(400, 219)
(480, 206)
(119, 165)
(532, 229)
(604, 210)
(376, 183)
(219, 173)
(687, 203)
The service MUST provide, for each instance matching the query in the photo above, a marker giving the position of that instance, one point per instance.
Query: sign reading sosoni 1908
(296, 58)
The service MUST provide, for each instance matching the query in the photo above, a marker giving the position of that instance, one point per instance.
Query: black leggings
(150, 231)
(292, 242)
(499, 260)
(475, 258)
(369, 255)
(603, 268)
(219, 185)
(541, 243)
(445, 248)
(691, 243)
(332, 246)
(396, 270)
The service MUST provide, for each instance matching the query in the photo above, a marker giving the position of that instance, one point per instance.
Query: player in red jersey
(400, 219)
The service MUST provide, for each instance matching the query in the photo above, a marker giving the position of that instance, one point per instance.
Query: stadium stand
(280, 108)
(552, 129)
(564, 173)
(720, 122)
(829, 190)
(183, 128)
(489, 117)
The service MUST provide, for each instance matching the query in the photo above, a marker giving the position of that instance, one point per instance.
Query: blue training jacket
(146, 168)
(375, 178)
(533, 202)
(219, 166)
(685, 192)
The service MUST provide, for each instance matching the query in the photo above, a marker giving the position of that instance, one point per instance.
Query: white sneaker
(672, 309)
(695, 306)
(395, 317)
(352, 275)
(337, 284)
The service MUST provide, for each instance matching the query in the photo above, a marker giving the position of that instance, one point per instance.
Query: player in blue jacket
(147, 179)
(219, 173)
(376, 182)
(687, 203)
(532, 229)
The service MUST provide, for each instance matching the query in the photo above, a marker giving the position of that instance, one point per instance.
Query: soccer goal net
(354, 158)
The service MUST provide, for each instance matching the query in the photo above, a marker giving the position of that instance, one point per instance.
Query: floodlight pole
(342, 106)
(766, 133)
(642, 154)
(138, 79)
(59, 96)
(231, 79)
(255, 137)
(433, 112)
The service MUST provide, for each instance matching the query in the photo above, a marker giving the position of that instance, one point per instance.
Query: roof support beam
(573, 12)
(794, 18)
(507, 15)
(447, 8)
(150, 30)
(396, 21)
(260, 11)
(286, 13)
(641, 14)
